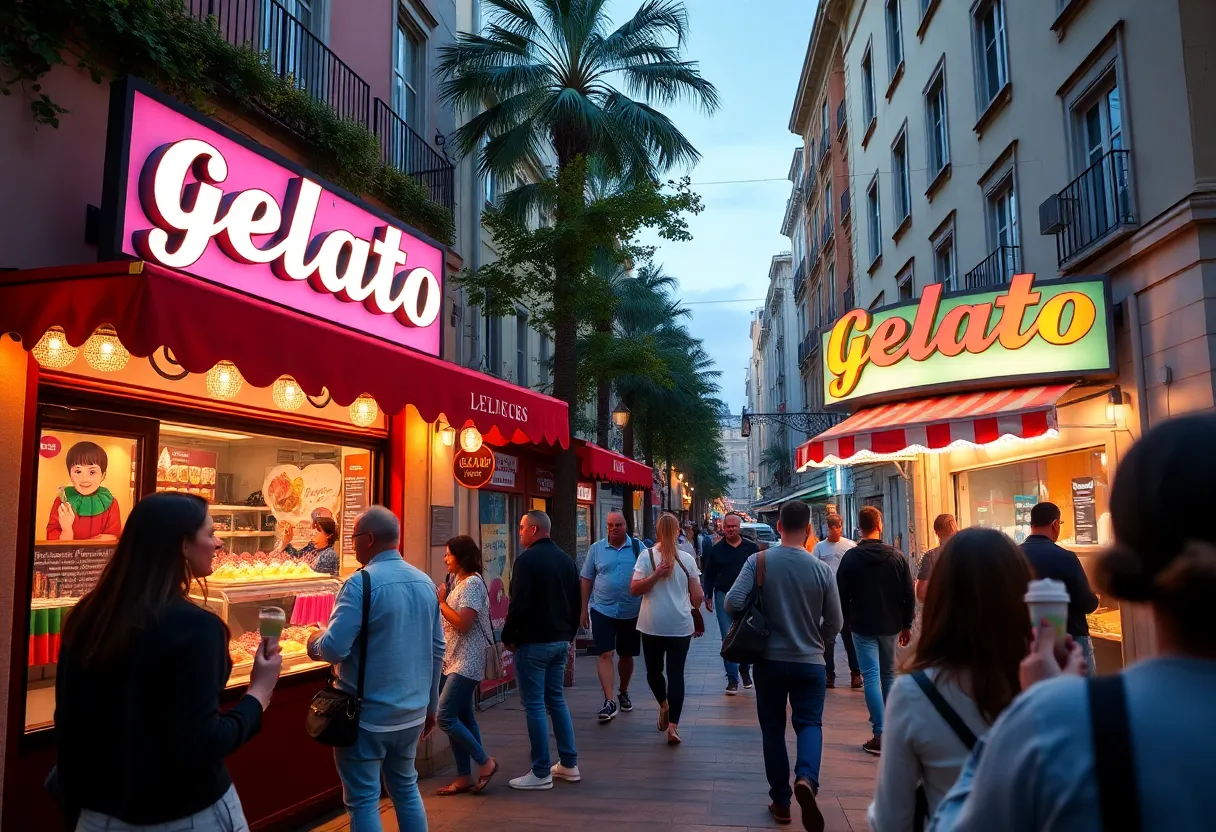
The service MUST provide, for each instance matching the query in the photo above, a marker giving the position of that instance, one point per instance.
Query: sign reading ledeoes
(1025, 331)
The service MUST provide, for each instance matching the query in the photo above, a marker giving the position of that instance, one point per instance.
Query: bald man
(611, 610)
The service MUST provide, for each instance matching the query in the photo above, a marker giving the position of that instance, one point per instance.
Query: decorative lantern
(620, 416)
(287, 394)
(224, 380)
(104, 352)
(363, 411)
(447, 434)
(470, 440)
(53, 350)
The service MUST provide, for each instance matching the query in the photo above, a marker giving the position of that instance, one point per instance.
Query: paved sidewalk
(633, 781)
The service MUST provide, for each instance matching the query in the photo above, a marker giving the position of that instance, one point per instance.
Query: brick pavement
(633, 781)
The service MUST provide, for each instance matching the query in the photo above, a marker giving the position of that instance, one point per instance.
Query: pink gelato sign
(192, 195)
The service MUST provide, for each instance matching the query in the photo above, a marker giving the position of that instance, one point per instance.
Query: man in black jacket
(878, 602)
(1050, 560)
(542, 620)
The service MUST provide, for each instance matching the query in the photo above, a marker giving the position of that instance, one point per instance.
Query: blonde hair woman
(666, 578)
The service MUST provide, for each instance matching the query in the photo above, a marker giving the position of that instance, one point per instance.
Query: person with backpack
(962, 675)
(611, 612)
(721, 566)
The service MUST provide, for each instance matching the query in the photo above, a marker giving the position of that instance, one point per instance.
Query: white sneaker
(530, 782)
(570, 775)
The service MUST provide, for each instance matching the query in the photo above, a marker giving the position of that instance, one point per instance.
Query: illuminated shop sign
(1026, 331)
(187, 193)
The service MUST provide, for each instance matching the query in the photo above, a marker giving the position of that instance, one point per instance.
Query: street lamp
(620, 416)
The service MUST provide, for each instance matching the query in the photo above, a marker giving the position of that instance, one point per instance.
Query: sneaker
(732, 687)
(569, 774)
(831, 681)
(626, 702)
(804, 793)
(609, 710)
(873, 746)
(530, 782)
(855, 681)
(747, 679)
(781, 814)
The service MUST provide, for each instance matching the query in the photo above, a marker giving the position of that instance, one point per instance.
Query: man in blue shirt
(611, 611)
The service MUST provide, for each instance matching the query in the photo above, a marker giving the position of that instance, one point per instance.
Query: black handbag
(333, 714)
(747, 638)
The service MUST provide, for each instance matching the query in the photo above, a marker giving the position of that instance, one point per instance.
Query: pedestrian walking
(962, 675)
(721, 568)
(611, 611)
(467, 632)
(684, 541)
(878, 601)
(542, 620)
(139, 735)
(830, 550)
(801, 607)
(1129, 751)
(1050, 560)
(945, 527)
(665, 578)
(404, 662)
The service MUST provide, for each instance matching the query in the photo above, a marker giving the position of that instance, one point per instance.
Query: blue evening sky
(753, 54)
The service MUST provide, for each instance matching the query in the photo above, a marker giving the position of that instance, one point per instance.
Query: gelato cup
(1048, 601)
(271, 621)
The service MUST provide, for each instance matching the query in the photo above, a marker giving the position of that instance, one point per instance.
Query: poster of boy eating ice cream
(86, 509)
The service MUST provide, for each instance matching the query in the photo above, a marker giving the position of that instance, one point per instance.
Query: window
(493, 349)
(943, 262)
(868, 106)
(906, 283)
(830, 282)
(879, 301)
(874, 216)
(992, 50)
(827, 204)
(408, 72)
(936, 124)
(895, 38)
(1003, 215)
(899, 178)
(521, 350)
(824, 139)
(543, 360)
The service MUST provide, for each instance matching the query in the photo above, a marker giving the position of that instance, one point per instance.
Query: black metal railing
(824, 147)
(1095, 203)
(831, 316)
(813, 254)
(293, 52)
(825, 232)
(850, 298)
(799, 274)
(996, 269)
(809, 346)
(840, 117)
(409, 153)
(845, 205)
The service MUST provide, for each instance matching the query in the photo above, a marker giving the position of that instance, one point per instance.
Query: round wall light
(224, 380)
(104, 352)
(53, 350)
(363, 411)
(470, 440)
(287, 394)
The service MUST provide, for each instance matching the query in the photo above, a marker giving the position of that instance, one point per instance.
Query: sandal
(673, 735)
(484, 780)
(452, 788)
(664, 720)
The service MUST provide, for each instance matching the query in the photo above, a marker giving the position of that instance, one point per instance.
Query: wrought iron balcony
(809, 347)
(850, 299)
(826, 232)
(824, 146)
(293, 52)
(1090, 208)
(409, 153)
(997, 269)
(846, 207)
(840, 118)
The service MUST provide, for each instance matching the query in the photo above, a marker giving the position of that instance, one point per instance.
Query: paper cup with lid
(1048, 601)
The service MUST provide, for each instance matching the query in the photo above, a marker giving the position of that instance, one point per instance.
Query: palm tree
(776, 458)
(544, 71)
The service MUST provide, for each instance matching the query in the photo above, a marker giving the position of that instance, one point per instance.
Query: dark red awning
(152, 307)
(609, 466)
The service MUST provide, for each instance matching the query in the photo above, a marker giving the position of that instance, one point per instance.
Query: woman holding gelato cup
(1130, 751)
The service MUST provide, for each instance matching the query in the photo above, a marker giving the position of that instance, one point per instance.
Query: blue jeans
(876, 657)
(804, 686)
(724, 623)
(388, 754)
(457, 721)
(540, 671)
(1087, 650)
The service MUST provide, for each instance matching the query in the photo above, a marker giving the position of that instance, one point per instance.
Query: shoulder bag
(494, 667)
(964, 734)
(747, 638)
(1114, 760)
(698, 622)
(333, 714)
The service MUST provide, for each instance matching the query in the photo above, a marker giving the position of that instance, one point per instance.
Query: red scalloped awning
(609, 466)
(150, 307)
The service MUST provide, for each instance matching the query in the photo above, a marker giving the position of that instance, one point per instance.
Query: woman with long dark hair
(140, 736)
(464, 602)
(974, 633)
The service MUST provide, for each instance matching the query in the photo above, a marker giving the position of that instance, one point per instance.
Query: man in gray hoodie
(801, 605)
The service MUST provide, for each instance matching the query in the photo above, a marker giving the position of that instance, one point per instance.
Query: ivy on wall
(159, 41)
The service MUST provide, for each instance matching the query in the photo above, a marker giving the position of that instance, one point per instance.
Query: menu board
(68, 569)
(1084, 512)
(356, 495)
(582, 524)
(505, 470)
(191, 470)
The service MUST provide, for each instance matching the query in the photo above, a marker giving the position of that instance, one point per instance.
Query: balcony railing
(293, 52)
(809, 346)
(825, 232)
(996, 269)
(409, 153)
(850, 299)
(824, 147)
(840, 118)
(845, 206)
(1095, 204)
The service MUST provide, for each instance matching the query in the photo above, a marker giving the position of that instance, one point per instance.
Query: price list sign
(69, 569)
(356, 494)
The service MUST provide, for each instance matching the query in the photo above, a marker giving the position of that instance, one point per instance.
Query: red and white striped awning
(941, 423)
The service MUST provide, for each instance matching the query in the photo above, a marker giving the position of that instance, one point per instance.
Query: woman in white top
(467, 632)
(666, 578)
(975, 631)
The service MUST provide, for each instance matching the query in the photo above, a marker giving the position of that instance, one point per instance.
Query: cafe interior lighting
(104, 352)
(470, 440)
(224, 381)
(287, 394)
(363, 411)
(53, 350)
(447, 434)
